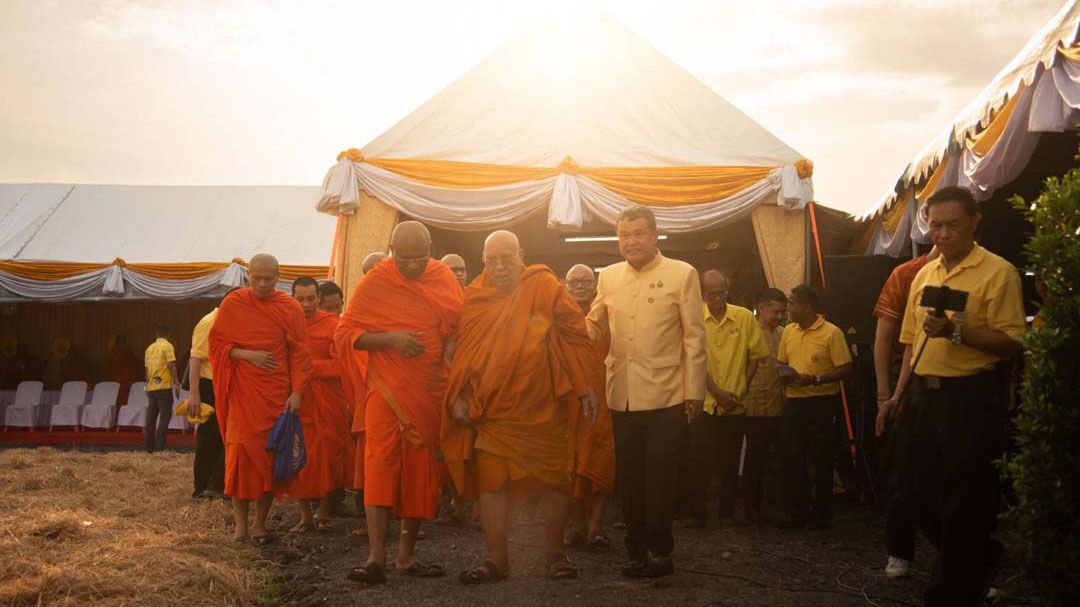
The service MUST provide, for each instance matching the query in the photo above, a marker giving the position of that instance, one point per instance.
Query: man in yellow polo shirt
(209, 449)
(162, 381)
(818, 353)
(733, 347)
(960, 396)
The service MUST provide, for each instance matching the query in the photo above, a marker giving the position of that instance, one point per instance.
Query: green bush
(1043, 523)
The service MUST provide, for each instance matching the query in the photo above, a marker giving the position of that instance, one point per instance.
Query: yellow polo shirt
(200, 344)
(818, 350)
(730, 343)
(157, 358)
(995, 301)
(653, 315)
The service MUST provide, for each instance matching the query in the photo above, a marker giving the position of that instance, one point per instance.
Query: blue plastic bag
(286, 440)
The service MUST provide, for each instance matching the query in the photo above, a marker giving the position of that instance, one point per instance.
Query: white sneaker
(897, 567)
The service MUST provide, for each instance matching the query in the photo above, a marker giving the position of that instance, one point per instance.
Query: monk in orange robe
(401, 314)
(122, 367)
(354, 380)
(323, 413)
(261, 368)
(592, 445)
(520, 363)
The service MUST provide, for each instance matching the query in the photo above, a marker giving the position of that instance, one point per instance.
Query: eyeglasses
(502, 260)
(580, 283)
(406, 261)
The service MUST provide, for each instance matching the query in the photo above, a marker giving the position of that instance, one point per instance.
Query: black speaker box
(853, 284)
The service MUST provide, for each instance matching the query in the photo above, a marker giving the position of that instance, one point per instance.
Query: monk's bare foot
(240, 536)
(303, 527)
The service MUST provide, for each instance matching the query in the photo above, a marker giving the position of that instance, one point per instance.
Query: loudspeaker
(854, 282)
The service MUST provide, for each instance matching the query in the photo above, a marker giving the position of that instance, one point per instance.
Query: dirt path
(743, 565)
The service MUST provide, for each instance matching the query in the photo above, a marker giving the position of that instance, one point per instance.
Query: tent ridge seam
(44, 221)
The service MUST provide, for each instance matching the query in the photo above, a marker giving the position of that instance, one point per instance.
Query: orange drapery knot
(568, 165)
(238, 261)
(119, 262)
(352, 154)
(805, 168)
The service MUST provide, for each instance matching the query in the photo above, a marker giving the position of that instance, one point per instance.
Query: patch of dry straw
(118, 528)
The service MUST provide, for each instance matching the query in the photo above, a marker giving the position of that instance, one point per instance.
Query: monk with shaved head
(261, 368)
(400, 317)
(592, 444)
(456, 263)
(521, 364)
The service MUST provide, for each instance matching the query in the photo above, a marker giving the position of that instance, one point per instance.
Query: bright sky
(259, 92)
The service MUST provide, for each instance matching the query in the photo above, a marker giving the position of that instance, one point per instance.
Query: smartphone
(944, 298)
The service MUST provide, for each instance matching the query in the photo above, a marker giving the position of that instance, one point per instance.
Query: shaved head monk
(401, 315)
(520, 364)
(592, 445)
(456, 263)
(324, 414)
(261, 368)
(373, 259)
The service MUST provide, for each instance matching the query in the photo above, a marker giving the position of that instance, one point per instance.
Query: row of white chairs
(31, 406)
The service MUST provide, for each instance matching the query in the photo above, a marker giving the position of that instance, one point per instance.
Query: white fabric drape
(1007, 158)
(571, 199)
(117, 281)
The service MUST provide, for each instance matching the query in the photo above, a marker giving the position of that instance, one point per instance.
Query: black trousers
(762, 438)
(959, 429)
(647, 447)
(715, 442)
(158, 414)
(810, 434)
(209, 448)
(907, 511)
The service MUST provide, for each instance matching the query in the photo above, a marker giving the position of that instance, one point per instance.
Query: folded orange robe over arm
(593, 444)
(249, 399)
(521, 357)
(403, 396)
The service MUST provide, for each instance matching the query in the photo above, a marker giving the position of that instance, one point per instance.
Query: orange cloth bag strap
(404, 423)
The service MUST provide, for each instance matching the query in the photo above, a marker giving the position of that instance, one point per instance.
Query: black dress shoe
(633, 569)
(659, 566)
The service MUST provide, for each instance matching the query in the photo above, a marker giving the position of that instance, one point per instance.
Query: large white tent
(578, 119)
(990, 143)
(61, 242)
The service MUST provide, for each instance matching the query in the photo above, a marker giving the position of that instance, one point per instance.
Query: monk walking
(400, 316)
(592, 445)
(323, 413)
(520, 364)
(261, 368)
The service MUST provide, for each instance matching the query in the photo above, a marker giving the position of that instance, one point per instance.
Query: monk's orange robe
(403, 396)
(123, 368)
(593, 445)
(324, 415)
(353, 380)
(521, 357)
(249, 399)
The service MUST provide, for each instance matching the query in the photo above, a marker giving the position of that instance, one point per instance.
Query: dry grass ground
(116, 528)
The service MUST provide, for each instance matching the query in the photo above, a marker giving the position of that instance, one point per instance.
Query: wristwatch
(957, 337)
(817, 380)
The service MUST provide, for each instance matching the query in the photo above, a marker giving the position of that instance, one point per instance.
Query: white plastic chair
(68, 409)
(179, 422)
(23, 411)
(101, 412)
(133, 414)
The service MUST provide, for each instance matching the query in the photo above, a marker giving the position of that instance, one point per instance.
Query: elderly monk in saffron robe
(261, 368)
(521, 362)
(323, 413)
(354, 380)
(401, 315)
(592, 445)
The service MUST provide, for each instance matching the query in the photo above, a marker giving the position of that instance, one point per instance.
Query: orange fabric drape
(901, 207)
(658, 186)
(982, 143)
(935, 179)
(56, 270)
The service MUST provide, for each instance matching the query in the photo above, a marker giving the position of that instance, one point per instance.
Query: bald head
(263, 275)
(457, 265)
(411, 244)
(372, 260)
(581, 283)
(503, 259)
(714, 290)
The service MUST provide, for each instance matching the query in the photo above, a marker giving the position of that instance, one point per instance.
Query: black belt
(933, 382)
